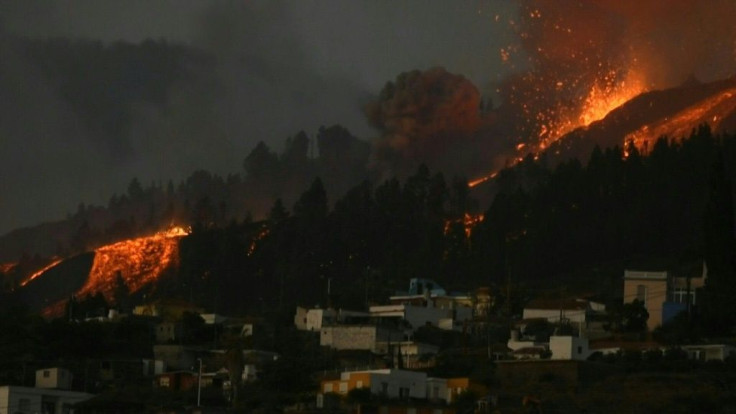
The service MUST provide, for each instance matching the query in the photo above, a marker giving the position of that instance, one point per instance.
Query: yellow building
(650, 288)
(395, 383)
(662, 294)
(169, 309)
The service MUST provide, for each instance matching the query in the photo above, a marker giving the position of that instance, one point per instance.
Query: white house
(416, 316)
(314, 319)
(710, 352)
(14, 400)
(516, 343)
(395, 383)
(574, 311)
(569, 348)
(390, 383)
(57, 378)
(437, 389)
(50, 395)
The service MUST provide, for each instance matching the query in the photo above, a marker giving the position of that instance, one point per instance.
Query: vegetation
(652, 210)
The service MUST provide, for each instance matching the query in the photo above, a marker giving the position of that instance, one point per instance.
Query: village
(425, 350)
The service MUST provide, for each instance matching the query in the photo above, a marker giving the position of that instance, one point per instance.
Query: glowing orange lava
(40, 272)
(469, 221)
(139, 261)
(603, 97)
(708, 110)
(483, 179)
(7, 267)
(254, 243)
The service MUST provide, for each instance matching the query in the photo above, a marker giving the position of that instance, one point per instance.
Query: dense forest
(575, 224)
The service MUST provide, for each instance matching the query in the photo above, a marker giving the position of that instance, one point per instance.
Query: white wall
(54, 378)
(300, 318)
(440, 386)
(317, 318)
(569, 348)
(396, 379)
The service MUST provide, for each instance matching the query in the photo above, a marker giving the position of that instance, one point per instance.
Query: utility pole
(199, 382)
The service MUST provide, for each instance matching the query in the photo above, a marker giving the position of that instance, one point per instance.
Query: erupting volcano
(575, 63)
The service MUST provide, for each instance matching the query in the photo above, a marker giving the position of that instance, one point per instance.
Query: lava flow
(710, 110)
(469, 221)
(41, 271)
(139, 261)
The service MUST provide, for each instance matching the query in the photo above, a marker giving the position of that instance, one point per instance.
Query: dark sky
(278, 67)
(282, 66)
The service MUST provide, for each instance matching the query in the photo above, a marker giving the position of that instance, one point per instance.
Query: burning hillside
(138, 262)
(673, 112)
(580, 60)
(718, 110)
(576, 62)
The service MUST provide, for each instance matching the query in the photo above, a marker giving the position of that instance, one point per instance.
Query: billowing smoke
(423, 117)
(580, 59)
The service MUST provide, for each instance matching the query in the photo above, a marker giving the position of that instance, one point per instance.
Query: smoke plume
(422, 116)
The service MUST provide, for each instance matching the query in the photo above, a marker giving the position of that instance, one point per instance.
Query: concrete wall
(300, 318)
(167, 332)
(313, 319)
(569, 347)
(437, 389)
(317, 318)
(360, 337)
(54, 378)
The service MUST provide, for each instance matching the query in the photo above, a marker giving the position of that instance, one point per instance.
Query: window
(580, 350)
(343, 387)
(359, 384)
(164, 382)
(328, 387)
(384, 388)
(641, 294)
(680, 295)
(46, 373)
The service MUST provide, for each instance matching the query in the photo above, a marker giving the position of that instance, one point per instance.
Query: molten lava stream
(139, 261)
